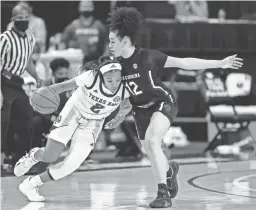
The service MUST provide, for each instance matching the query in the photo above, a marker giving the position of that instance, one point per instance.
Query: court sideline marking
(237, 183)
(191, 182)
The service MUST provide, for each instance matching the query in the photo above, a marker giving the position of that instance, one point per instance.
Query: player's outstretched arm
(231, 62)
(64, 86)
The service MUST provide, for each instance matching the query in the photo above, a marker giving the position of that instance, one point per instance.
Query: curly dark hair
(127, 21)
(57, 63)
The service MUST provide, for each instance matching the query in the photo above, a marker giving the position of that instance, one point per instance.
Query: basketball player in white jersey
(99, 92)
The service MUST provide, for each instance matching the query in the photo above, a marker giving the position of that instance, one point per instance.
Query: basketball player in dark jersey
(154, 107)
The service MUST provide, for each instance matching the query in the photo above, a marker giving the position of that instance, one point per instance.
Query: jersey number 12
(133, 88)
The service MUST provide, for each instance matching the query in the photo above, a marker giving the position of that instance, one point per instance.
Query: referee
(16, 48)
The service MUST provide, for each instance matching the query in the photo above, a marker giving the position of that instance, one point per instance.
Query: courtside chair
(231, 120)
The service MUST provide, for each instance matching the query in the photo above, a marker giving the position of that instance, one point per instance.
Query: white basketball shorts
(71, 125)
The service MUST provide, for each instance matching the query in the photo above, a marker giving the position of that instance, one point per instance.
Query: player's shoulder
(150, 52)
(146, 55)
(89, 73)
(86, 79)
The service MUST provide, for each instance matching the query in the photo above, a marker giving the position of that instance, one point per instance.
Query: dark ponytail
(92, 65)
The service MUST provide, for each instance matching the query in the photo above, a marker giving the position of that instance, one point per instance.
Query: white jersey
(92, 99)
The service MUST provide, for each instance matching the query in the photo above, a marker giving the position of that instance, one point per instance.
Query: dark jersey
(141, 73)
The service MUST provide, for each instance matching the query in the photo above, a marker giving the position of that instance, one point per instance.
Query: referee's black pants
(16, 117)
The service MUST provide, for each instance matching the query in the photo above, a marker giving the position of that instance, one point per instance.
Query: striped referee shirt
(16, 51)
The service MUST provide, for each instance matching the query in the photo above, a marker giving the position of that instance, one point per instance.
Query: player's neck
(129, 52)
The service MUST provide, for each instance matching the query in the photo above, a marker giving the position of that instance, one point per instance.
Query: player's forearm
(196, 63)
(192, 63)
(64, 86)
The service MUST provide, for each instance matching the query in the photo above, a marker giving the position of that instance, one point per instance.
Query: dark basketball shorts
(142, 116)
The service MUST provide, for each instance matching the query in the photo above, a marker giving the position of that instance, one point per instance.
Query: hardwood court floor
(203, 186)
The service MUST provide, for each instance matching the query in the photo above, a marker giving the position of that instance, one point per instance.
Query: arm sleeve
(4, 46)
(158, 57)
(85, 79)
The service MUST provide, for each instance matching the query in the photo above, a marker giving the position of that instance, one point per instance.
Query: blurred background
(71, 33)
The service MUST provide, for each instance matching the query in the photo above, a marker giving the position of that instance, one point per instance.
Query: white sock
(36, 181)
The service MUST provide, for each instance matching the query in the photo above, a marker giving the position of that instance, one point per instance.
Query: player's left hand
(114, 122)
(231, 62)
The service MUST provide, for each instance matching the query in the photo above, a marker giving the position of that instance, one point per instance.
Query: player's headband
(110, 67)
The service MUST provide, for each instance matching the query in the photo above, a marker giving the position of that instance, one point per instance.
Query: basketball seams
(45, 103)
(42, 106)
(46, 98)
(37, 105)
(55, 95)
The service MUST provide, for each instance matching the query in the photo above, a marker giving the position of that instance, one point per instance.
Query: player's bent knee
(63, 171)
(160, 122)
(65, 168)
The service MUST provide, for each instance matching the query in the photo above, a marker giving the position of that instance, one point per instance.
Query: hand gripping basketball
(45, 100)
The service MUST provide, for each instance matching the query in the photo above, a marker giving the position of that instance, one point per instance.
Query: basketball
(45, 100)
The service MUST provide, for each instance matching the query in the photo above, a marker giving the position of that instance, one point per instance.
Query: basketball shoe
(25, 163)
(171, 179)
(31, 190)
(163, 199)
